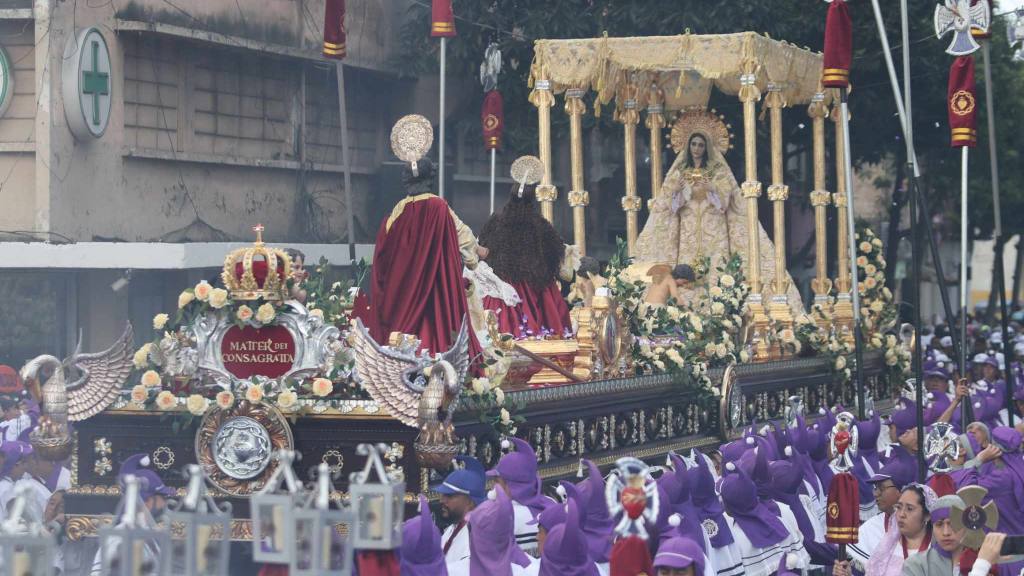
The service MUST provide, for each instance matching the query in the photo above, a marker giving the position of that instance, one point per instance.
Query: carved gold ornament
(229, 442)
(707, 123)
(411, 139)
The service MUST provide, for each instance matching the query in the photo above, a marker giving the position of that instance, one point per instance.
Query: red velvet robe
(545, 309)
(417, 285)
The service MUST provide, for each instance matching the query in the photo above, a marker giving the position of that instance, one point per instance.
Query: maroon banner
(442, 19)
(248, 351)
(842, 512)
(838, 46)
(962, 104)
(334, 29)
(492, 119)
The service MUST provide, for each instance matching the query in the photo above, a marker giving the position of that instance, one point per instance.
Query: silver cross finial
(960, 17)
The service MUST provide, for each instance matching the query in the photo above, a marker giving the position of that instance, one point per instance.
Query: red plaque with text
(267, 351)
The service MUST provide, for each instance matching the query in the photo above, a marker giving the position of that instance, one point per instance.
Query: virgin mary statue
(699, 211)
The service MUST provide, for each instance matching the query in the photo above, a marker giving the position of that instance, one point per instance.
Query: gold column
(630, 117)
(655, 122)
(542, 98)
(778, 193)
(751, 190)
(844, 304)
(820, 199)
(578, 197)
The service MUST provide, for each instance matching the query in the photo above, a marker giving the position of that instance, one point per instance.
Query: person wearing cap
(679, 556)
(492, 543)
(153, 493)
(421, 545)
(886, 485)
(461, 491)
(516, 472)
(15, 464)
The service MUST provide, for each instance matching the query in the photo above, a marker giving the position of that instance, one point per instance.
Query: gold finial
(258, 229)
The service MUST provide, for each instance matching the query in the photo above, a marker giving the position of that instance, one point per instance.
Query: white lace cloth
(487, 283)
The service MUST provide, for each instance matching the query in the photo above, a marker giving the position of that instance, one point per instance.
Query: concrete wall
(17, 131)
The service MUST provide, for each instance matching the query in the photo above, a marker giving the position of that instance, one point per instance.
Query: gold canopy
(686, 66)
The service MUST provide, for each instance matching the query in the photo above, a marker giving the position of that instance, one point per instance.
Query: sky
(1006, 5)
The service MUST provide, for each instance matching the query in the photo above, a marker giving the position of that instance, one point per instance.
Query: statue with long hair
(525, 251)
(699, 211)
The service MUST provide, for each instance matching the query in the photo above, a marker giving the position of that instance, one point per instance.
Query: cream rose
(254, 394)
(506, 418)
(140, 394)
(197, 405)
(717, 308)
(185, 298)
(322, 387)
(225, 399)
(287, 399)
(499, 396)
(265, 313)
(698, 325)
(165, 400)
(479, 386)
(244, 313)
(865, 247)
(218, 298)
(202, 291)
(716, 292)
(159, 321)
(317, 312)
(151, 379)
(870, 283)
(840, 362)
(870, 269)
(727, 281)
(744, 356)
(788, 336)
(877, 242)
(877, 306)
(141, 357)
(721, 351)
(659, 365)
(862, 261)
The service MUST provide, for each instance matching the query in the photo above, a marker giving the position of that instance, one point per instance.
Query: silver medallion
(242, 448)
(710, 527)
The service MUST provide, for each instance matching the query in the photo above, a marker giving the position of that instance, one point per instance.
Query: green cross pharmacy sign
(86, 84)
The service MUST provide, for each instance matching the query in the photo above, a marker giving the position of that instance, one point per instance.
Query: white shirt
(869, 535)
(15, 426)
(765, 561)
(459, 549)
(461, 568)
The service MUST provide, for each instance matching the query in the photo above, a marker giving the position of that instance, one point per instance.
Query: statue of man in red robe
(417, 286)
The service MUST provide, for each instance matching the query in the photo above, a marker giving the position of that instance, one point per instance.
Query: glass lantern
(134, 546)
(272, 510)
(378, 507)
(25, 546)
(205, 526)
(323, 543)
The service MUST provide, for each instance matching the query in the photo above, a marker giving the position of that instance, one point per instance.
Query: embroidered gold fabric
(685, 67)
(703, 227)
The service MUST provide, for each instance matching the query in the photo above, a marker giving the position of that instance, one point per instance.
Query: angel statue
(419, 391)
(699, 211)
(95, 382)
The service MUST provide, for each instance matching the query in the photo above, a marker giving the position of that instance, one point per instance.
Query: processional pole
(838, 57)
(442, 25)
(962, 110)
(335, 49)
(492, 116)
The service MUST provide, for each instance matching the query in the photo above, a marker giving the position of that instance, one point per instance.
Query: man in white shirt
(461, 491)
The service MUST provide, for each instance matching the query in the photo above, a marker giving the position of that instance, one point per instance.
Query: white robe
(14, 427)
(526, 533)
(765, 561)
(461, 568)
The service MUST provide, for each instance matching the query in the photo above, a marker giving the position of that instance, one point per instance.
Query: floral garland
(162, 366)
(878, 316)
(685, 339)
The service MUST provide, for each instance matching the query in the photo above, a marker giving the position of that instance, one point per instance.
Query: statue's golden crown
(257, 272)
(701, 121)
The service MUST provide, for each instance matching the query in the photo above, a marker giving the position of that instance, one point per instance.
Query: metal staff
(492, 114)
(442, 24)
